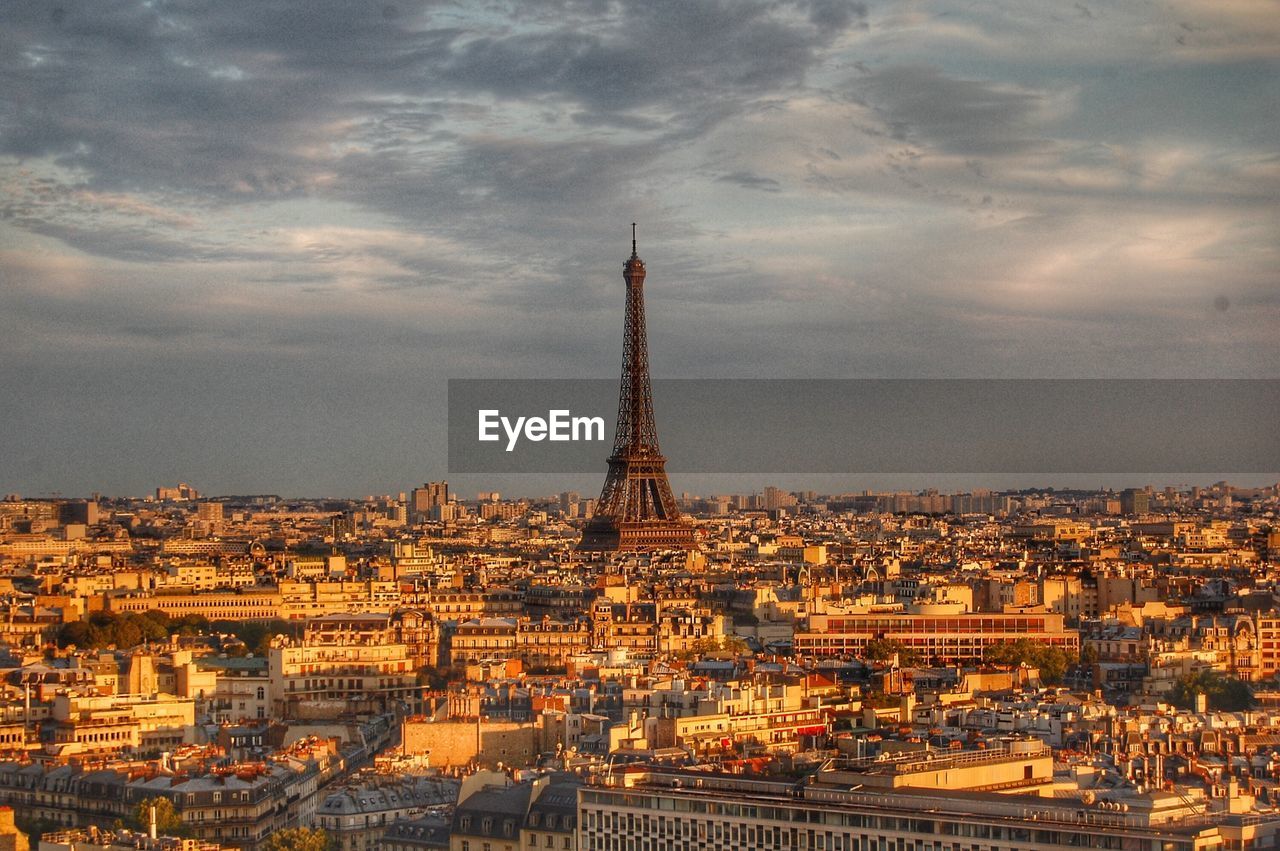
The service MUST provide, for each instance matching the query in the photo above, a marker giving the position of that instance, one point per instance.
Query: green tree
(256, 635)
(34, 828)
(126, 634)
(168, 821)
(187, 625)
(1052, 662)
(883, 649)
(710, 644)
(1224, 694)
(80, 633)
(298, 839)
(151, 629)
(158, 617)
(122, 629)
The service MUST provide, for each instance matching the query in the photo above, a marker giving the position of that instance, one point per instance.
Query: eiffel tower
(636, 510)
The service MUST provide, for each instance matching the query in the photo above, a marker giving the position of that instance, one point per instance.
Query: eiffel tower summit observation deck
(636, 510)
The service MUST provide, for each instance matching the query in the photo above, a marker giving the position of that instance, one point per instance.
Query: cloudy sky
(244, 243)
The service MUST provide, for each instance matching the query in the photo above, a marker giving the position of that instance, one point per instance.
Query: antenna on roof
(633, 239)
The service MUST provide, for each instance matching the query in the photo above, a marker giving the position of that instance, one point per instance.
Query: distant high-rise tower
(636, 510)
(430, 496)
(1134, 501)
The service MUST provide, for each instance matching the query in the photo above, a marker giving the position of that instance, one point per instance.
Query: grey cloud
(673, 53)
(836, 14)
(296, 278)
(925, 105)
(619, 120)
(137, 243)
(1204, 103)
(204, 99)
(550, 211)
(244, 103)
(747, 180)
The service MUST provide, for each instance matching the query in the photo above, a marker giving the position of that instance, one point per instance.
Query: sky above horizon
(245, 244)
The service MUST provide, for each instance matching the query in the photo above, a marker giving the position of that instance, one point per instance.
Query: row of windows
(973, 623)
(939, 647)
(510, 640)
(800, 841)
(604, 829)
(964, 640)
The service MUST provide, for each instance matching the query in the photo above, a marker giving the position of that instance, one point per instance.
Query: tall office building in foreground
(637, 510)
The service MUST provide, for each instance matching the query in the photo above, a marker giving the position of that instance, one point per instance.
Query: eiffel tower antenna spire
(636, 510)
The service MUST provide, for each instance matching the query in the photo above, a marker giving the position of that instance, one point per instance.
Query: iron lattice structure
(636, 510)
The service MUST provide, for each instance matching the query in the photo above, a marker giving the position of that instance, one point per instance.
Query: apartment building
(461, 605)
(97, 725)
(494, 814)
(240, 689)
(649, 629)
(1268, 646)
(356, 816)
(344, 677)
(537, 643)
(415, 629)
(261, 604)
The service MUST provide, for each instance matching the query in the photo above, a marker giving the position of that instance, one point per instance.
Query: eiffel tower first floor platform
(604, 534)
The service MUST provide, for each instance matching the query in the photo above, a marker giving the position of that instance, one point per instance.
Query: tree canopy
(710, 644)
(883, 649)
(121, 629)
(1225, 694)
(1052, 662)
(168, 821)
(298, 839)
(256, 635)
(129, 629)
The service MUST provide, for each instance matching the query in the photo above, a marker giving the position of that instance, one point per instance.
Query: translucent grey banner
(1190, 426)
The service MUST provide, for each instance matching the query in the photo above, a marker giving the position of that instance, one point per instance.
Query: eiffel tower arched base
(604, 535)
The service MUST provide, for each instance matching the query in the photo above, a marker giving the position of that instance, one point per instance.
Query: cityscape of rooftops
(639, 425)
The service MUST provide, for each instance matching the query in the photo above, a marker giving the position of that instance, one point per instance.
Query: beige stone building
(537, 643)
(327, 679)
(117, 723)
